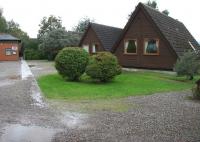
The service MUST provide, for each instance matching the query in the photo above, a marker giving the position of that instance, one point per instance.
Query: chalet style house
(150, 39)
(9, 47)
(99, 38)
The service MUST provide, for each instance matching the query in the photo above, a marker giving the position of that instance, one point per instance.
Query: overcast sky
(28, 13)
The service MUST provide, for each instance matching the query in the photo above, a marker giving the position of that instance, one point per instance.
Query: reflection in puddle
(6, 82)
(73, 119)
(19, 133)
(25, 70)
(36, 95)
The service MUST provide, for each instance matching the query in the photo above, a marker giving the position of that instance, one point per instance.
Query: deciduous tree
(47, 25)
(83, 24)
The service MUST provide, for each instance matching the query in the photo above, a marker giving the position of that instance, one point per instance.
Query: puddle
(73, 119)
(35, 91)
(25, 70)
(36, 95)
(19, 133)
(6, 83)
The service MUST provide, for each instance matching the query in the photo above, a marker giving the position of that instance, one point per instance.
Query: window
(86, 47)
(8, 51)
(94, 48)
(130, 46)
(151, 47)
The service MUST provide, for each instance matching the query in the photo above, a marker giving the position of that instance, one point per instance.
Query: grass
(127, 84)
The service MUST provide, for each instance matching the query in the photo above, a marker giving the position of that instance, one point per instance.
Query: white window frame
(10, 50)
(145, 44)
(86, 47)
(94, 47)
(126, 42)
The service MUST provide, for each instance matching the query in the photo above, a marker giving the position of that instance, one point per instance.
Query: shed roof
(8, 37)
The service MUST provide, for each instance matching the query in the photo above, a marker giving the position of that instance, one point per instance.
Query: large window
(151, 46)
(130, 46)
(94, 48)
(8, 51)
(86, 48)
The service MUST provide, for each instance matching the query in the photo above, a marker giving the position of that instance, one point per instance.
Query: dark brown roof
(172, 30)
(8, 37)
(106, 34)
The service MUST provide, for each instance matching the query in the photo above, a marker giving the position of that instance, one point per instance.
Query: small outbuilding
(9, 47)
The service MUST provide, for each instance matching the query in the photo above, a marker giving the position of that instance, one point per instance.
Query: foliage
(71, 62)
(32, 51)
(166, 12)
(3, 22)
(47, 25)
(103, 66)
(83, 24)
(53, 43)
(126, 84)
(188, 65)
(152, 4)
(196, 90)
(196, 93)
(53, 37)
(15, 30)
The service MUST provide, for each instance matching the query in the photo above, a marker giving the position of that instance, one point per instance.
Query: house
(99, 38)
(9, 48)
(150, 39)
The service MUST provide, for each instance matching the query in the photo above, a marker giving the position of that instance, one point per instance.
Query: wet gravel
(169, 117)
(165, 117)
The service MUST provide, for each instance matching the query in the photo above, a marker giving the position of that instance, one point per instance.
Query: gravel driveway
(166, 117)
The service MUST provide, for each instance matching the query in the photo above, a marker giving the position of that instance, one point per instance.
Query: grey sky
(28, 13)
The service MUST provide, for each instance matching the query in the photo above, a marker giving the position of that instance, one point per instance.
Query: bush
(30, 54)
(71, 62)
(103, 66)
(188, 65)
(196, 90)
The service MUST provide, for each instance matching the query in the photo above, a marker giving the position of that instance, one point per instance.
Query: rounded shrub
(71, 62)
(196, 90)
(103, 66)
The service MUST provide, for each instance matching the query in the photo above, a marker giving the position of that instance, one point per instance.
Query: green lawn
(126, 84)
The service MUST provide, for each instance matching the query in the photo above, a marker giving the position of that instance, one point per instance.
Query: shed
(9, 47)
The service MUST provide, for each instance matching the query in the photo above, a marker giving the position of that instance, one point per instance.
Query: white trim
(86, 47)
(191, 45)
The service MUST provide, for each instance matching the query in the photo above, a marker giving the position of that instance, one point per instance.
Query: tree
(47, 25)
(83, 24)
(166, 12)
(14, 29)
(54, 41)
(188, 64)
(3, 23)
(152, 4)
